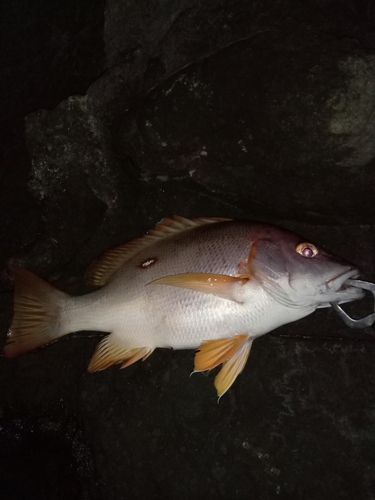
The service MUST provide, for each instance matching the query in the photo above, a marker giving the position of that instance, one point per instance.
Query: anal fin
(109, 353)
(137, 354)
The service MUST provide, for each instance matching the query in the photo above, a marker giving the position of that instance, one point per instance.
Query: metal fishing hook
(364, 322)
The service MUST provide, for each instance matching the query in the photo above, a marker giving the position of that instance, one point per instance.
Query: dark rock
(56, 462)
(115, 114)
(49, 51)
(243, 126)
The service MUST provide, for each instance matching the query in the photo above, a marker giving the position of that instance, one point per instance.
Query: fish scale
(190, 317)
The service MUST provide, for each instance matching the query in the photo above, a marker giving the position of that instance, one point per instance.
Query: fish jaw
(338, 290)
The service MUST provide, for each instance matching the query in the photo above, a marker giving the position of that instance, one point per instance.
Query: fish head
(300, 274)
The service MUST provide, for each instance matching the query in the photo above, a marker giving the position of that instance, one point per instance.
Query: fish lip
(337, 284)
(340, 291)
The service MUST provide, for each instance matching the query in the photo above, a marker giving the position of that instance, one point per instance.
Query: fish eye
(307, 250)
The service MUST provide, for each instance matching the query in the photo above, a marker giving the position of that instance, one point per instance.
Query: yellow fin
(215, 284)
(99, 272)
(141, 353)
(213, 352)
(232, 368)
(109, 353)
(36, 313)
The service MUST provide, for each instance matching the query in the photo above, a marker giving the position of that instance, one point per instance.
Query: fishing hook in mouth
(364, 322)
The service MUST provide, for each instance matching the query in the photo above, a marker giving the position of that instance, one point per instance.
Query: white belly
(165, 316)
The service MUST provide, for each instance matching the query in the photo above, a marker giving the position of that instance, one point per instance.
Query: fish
(209, 284)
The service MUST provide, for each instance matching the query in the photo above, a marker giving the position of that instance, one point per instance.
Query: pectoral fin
(221, 285)
(109, 353)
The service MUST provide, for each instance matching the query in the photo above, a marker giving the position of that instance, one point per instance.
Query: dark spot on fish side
(151, 261)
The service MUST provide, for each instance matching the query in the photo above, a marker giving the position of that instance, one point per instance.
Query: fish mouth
(338, 283)
(339, 290)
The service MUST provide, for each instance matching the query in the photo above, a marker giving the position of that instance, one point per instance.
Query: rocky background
(115, 114)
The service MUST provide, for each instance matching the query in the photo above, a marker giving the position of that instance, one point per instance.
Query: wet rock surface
(116, 114)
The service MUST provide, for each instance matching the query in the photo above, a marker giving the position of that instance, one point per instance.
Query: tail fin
(37, 306)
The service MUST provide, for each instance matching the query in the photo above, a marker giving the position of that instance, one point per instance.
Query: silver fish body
(141, 314)
(203, 283)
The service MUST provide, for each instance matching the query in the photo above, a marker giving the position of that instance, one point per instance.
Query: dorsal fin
(99, 272)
